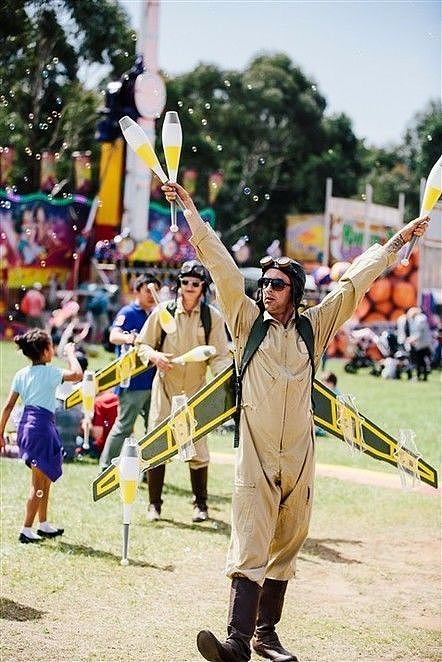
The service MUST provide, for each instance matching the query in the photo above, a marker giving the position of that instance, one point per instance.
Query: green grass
(391, 404)
(368, 577)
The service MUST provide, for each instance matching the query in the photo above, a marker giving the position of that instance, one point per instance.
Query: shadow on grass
(84, 550)
(13, 611)
(321, 549)
(181, 492)
(211, 525)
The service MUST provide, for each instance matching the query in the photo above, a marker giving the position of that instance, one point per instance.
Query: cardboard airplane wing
(215, 403)
(110, 376)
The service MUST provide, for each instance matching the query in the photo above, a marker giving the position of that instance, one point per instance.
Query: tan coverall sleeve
(238, 309)
(149, 337)
(338, 306)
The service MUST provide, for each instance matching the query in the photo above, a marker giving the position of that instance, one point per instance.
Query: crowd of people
(274, 462)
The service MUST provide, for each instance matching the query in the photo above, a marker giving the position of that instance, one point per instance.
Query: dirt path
(351, 474)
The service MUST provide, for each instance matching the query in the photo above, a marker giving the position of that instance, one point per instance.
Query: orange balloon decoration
(380, 290)
(363, 309)
(404, 295)
(384, 307)
(397, 312)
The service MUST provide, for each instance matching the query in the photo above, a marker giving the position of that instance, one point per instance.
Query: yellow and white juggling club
(432, 193)
(199, 353)
(166, 319)
(139, 142)
(172, 136)
(88, 391)
(128, 466)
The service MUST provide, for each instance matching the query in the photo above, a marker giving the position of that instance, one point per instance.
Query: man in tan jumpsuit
(274, 466)
(173, 380)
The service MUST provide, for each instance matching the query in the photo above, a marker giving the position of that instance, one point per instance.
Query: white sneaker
(153, 513)
(199, 515)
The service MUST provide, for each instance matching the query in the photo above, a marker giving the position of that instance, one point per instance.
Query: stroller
(361, 340)
(358, 360)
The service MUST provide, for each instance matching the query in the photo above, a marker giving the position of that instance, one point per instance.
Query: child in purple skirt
(38, 440)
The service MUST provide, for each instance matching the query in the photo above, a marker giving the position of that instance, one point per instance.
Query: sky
(378, 62)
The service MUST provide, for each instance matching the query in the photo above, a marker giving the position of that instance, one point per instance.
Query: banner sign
(48, 178)
(82, 172)
(305, 237)
(38, 236)
(347, 237)
(162, 245)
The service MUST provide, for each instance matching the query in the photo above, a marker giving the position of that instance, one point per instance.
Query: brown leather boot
(244, 598)
(266, 642)
(156, 482)
(198, 480)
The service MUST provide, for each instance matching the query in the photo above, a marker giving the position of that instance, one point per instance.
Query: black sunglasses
(276, 283)
(192, 283)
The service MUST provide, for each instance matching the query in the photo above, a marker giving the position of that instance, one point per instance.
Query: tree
(46, 49)
(400, 169)
(265, 129)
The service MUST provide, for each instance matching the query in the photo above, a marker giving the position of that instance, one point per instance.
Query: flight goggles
(193, 268)
(277, 263)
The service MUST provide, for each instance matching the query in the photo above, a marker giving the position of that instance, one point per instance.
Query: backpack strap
(206, 320)
(256, 336)
(205, 316)
(305, 330)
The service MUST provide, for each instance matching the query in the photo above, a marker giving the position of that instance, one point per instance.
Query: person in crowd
(33, 306)
(197, 323)
(37, 437)
(105, 415)
(420, 340)
(436, 363)
(331, 380)
(97, 313)
(134, 399)
(274, 465)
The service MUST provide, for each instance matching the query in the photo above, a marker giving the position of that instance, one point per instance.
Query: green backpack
(257, 335)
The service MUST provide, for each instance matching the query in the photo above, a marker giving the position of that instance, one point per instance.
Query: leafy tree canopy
(266, 130)
(45, 47)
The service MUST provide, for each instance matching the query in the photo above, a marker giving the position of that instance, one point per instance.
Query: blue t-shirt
(36, 385)
(131, 318)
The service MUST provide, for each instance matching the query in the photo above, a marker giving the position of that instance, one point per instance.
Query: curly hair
(34, 343)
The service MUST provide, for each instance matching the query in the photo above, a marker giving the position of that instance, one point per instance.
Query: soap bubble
(261, 160)
(255, 198)
(246, 191)
(39, 493)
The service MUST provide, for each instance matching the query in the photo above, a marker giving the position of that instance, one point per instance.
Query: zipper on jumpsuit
(285, 404)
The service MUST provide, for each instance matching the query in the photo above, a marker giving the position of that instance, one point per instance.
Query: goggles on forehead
(277, 263)
(275, 283)
(192, 268)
